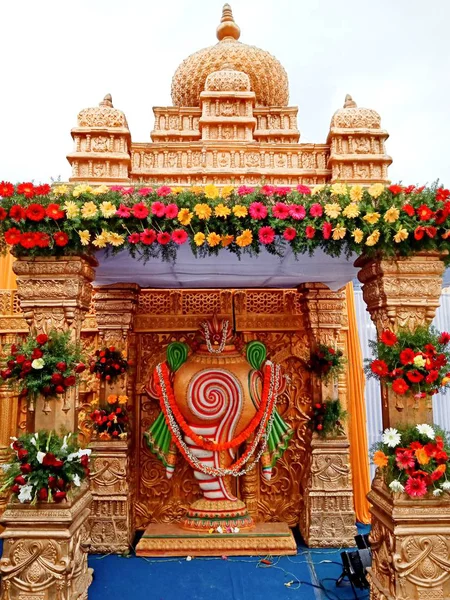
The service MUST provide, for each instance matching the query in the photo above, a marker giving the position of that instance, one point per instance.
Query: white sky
(59, 56)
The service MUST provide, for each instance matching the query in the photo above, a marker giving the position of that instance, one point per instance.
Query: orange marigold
(380, 459)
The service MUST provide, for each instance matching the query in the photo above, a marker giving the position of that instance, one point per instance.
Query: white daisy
(427, 430)
(25, 493)
(437, 492)
(396, 486)
(219, 529)
(236, 530)
(445, 485)
(391, 437)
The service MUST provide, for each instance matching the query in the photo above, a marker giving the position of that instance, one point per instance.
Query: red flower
(289, 234)
(257, 211)
(388, 338)
(410, 189)
(148, 236)
(280, 210)
(22, 454)
(57, 379)
(26, 468)
(164, 190)
(310, 232)
(54, 212)
(61, 238)
(397, 373)
(42, 494)
(59, 496)
(171, 211)
(424, 212)
(158, 209)
(179, 236)
(84, 460)
(80, 368)
(327, 228)
(432, 376)
(35, 212)
(297, 211)
(28, 240)
(124, 212)
(61, 366)
(163, 238)
(42, 190)
(431, 231)
(407, 356)
(37, 353)
(140, 211)
(6, 373)
(6, 189)
(17, 213)
(395, 189)
(414, 376)
(3, 214)
(440, 216)
(134, 238)
(268, 190)
(27, 189)
(400, 386)
(444, 338)
(15, 489)
(20, 480)
(409, 210)
(69, 381)
(266, 235)
(60, 389)
(42, 338)
(404, 458)
(42, 239)
(12, 236)
(379, 367)
(441, 456)
(416, 487)
(419, 232)
(316, 210)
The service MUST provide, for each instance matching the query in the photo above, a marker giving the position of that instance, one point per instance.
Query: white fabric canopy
(226, 270)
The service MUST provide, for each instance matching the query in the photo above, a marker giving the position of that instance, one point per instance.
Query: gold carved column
(112, 476)
(328, 517)
(55, 293)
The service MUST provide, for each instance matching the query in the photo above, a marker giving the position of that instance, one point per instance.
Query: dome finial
(349, 102)
(227, 27)
(107, 101)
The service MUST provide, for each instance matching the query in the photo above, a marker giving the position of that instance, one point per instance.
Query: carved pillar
(402, 293)
(55, 293)
(112, 486)
(327, 492)
(409, 540)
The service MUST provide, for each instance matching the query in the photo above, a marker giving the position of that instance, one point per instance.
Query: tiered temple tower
(230, 123)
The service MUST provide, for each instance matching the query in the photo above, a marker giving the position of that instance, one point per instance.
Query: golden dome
(105, 115)
(268, 79)
(352, 117)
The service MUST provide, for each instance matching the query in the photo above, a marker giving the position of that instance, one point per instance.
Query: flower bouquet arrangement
(414, 460)
(327, 418)
(44, 365)
(412, 362)
(326, 362)
(111, 422)
(45, 467)
(109, 364)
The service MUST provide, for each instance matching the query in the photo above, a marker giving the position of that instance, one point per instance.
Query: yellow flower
(339, 232)
(196, 189)
(81, 189)
(111, 399)
(222, 211)
(419, 361)
(422, 456)
(445, 380)
(72, 209)
(380, 459)
(203, 211)
(318, 189)
(122, 399)
(89, 210)
(214, 239)
(104, 435)
(376, 190)
(185, 216)
(211, 191)
(401, 235)
(227, 191)
(199, 238)
(245, 239)
(115, 239)
(101, 239)
(392, 215)
(60, 190)
(351, 211)
(227, 239)
(356, 193)
(102, 189)
(338, 189)
(107, 209)
(372, 218)
(177, 190)
(240, 211)
(85, 237)
(373, 238)
(358, 235)
(332, 210)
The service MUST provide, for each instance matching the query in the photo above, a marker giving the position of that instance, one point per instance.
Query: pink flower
(148, 236)
(268, 190)
(289, 234)
(134, 238)
(327, 228)
(145, 191)
(297, 212)
(158, 209)
(179, 236)
(303, 189)
(282, 191)
(164, 190)
(310, 232)
(280, 210)
(123, 211)
(416, 487)
(244, 190)
(140, 211)
(171, 211)
(116, 188)
(266, 235)
(257, 210)
(316, 210)
(404, 458)
(163, 238)
(127, 191)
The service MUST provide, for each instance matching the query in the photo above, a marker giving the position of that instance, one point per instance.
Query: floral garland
(109, 364)
(326, 362)
(339, 218)
(263, 432)
(111, 422)
(200, 441)
(327, 418)
(223, 341)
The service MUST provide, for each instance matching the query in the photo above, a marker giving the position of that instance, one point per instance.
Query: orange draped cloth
(356, 406)
(7, 277)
